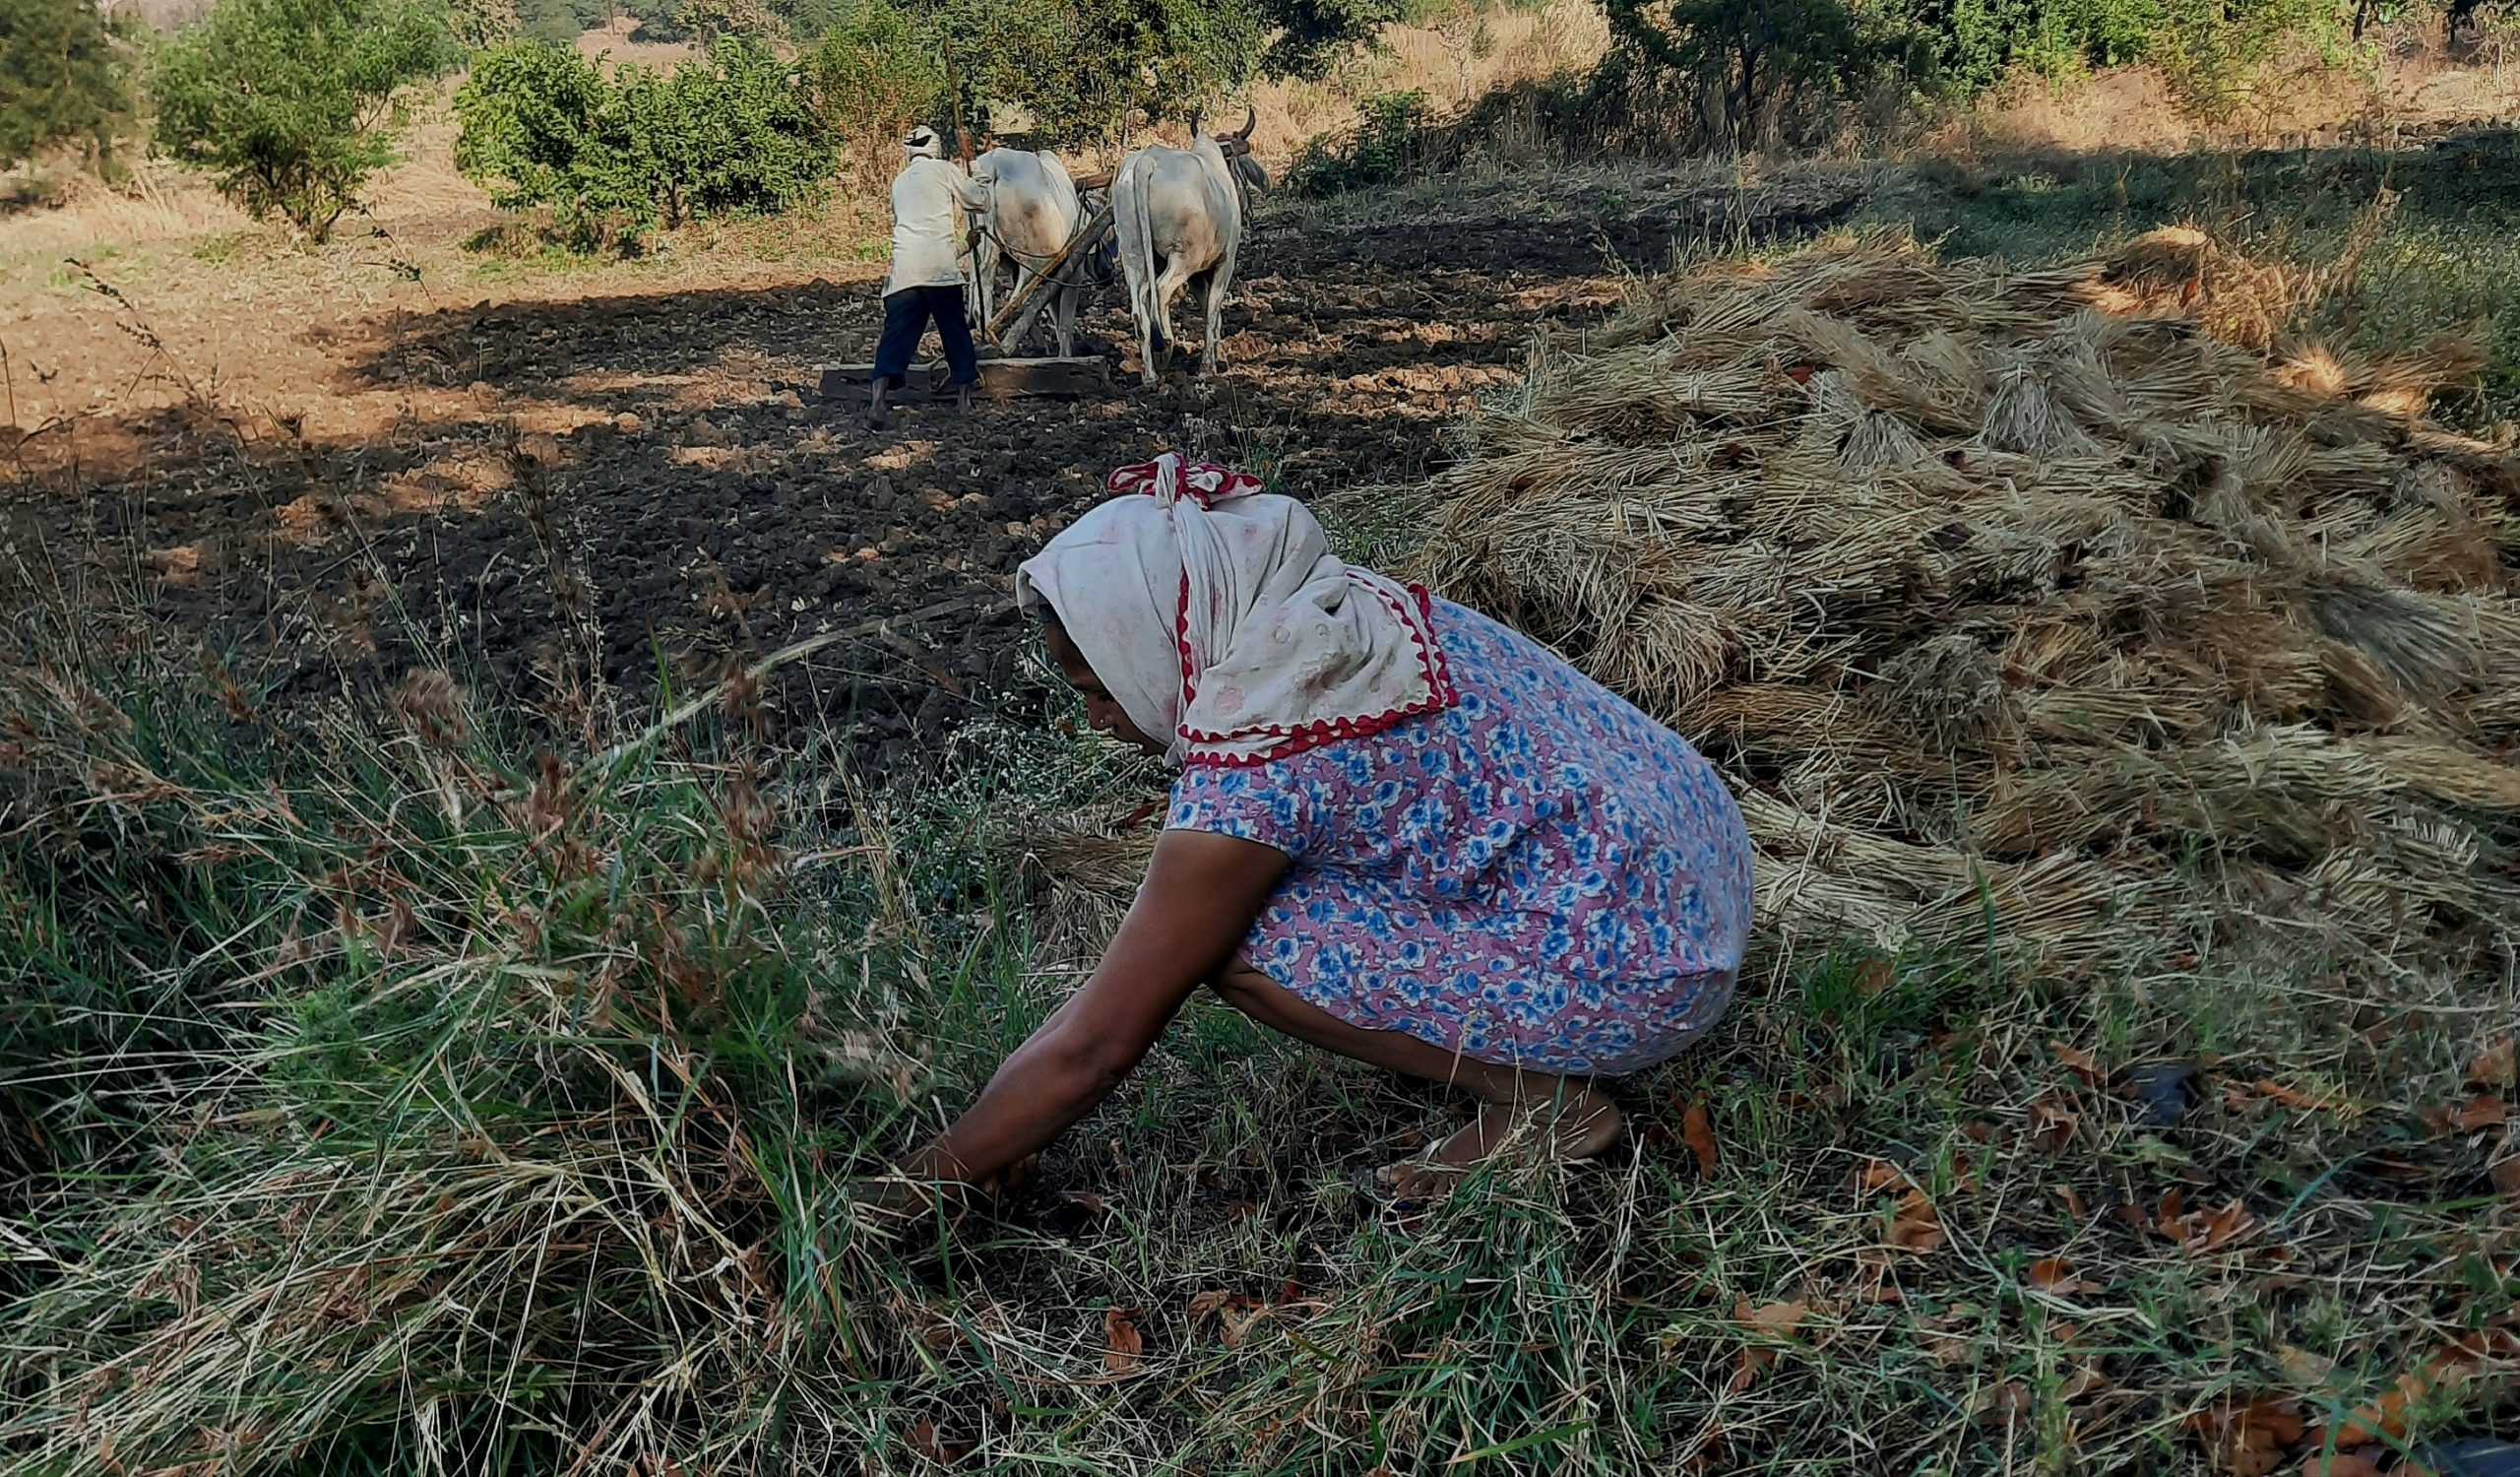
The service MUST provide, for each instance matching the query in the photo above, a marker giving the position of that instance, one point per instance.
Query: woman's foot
(1575, 1124)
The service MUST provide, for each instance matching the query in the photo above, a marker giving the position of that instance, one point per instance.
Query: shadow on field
(588, 495)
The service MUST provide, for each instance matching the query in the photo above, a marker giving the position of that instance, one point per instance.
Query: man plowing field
(1403, 833)
(930, 199)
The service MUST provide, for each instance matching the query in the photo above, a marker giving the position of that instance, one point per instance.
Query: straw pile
(2021, 605)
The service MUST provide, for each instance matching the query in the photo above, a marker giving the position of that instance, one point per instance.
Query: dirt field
(533, 491)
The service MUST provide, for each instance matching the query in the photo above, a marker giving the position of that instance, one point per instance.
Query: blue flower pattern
(1539, 874)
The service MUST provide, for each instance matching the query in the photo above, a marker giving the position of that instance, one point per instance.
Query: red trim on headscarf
(1207, 483)
(1299, 738)
(1203, 482)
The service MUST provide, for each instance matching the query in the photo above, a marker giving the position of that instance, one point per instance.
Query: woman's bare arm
(1202, 892)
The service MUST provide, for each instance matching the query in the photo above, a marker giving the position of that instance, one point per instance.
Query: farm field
(483, 973)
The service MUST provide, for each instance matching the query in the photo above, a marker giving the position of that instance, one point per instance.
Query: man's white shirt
(930, 198)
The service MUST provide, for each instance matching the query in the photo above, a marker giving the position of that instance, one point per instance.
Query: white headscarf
(923, 142)
(1219, 618)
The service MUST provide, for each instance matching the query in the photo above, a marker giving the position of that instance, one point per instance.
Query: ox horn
(1250, 121)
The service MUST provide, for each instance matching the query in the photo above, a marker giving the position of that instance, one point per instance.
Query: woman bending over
(1402, 833)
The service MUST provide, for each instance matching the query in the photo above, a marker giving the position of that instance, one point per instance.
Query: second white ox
(1033, 214)
(1179, 215)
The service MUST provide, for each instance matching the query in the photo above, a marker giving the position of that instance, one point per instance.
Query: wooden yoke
(1047, 274)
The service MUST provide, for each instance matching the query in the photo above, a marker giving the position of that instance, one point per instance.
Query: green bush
(293, 104)
(708, 20)
(1391, 141)
(871, 79)
(479, 25)
(732, 134)
(542, 126)
(62, 79)
(735, 132)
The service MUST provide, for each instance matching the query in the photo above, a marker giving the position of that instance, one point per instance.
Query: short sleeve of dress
(1278, 804)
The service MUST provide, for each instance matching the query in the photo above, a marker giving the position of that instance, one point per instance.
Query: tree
(539, 124)
(479, 25)
(293, 104)
(1307, 36)
(735, 132)
(64, 78)
(871, 77)
(1748, 62)
(707, 20)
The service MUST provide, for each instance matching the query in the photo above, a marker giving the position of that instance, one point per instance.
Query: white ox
(1033, 214)
(1179, 215)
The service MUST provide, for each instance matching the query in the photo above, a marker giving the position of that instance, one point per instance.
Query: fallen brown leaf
(2497, 1065)
(2340, 1464)
(1746, 1366)
(2294, 1097)
(2052, 1123)
(2506, 1177)
(2085, 1382)
(2484, 1110)
(1122, 1345)
(2008, 1402)
(2385, 1417)
(1697, 1127)
(2249, 1438)
(1771, 1317)
(2055, 1274)
(923, 1441)
(1873, 975)
(1775, 1319)
(2220, 1228)
(2304, 1366)
(1232, 1311)
(2077, 1062)
(2072, 1199)
(1916, 1226)
(1878, 1174)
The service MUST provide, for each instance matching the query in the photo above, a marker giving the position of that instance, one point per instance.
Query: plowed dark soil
(639, 486)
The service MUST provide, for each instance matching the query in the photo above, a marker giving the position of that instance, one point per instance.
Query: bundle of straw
(2029, 602)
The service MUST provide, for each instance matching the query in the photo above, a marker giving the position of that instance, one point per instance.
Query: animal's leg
(1168, 291)
(1013, 338)
(985, 277)
(1067, 320)
(1218, 281)
(1136, 253)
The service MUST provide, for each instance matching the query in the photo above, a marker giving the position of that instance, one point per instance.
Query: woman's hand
(1202, 891)
(895, 1202)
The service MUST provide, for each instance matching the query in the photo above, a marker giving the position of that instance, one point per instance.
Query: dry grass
(1452, 64)
(376, 1101)
(2412, 86)
(2013, 603)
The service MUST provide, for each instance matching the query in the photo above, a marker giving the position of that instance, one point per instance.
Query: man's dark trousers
(905, 316)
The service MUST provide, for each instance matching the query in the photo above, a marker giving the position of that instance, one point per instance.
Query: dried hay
(2063, 608)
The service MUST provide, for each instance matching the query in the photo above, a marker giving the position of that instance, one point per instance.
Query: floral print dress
(1539, 876)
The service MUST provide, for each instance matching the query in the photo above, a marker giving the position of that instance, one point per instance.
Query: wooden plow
(1002, 377)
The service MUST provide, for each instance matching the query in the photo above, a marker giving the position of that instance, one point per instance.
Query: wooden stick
(1013, 304)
